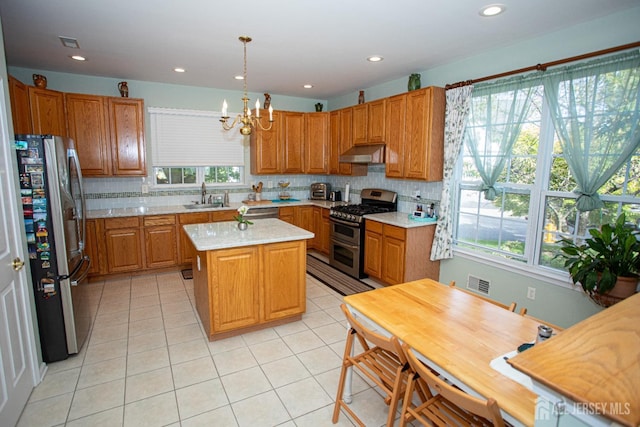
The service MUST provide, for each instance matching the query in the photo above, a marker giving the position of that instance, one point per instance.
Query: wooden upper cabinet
(334, 142)
(126, 120)
(424, 134)
(266, 147)
(293, 139)
(20, 112)
(346, 142)
(316, 143)
(88, 125)
(396, 113)
(369, 122)
(47, 111)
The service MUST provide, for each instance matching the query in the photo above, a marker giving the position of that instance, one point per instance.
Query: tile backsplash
(106, 193)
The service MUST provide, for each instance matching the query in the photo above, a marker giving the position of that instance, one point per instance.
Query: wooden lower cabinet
(284, 297)
(160, 241)
(287, 214)
(321, 228)
(397, 255)
(185, 247)
(233, 282)
(94, 246)
(249, 288)
(311, 218)
(125, 251)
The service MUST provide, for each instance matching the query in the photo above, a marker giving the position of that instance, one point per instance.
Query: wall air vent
(478, 284)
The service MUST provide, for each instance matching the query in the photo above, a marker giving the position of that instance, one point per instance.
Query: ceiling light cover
(69, 42)
(307, 86)
(179, 70)
(78, 58)
(492, 10)
(375, 58)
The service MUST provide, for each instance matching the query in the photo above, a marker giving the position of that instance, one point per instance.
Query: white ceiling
(322, 42)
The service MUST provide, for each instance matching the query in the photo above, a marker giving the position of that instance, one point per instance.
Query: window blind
(193, 138)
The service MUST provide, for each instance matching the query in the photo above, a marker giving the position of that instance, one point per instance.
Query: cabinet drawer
(222, 216)
(194, 218)
(159, 220)
(396, 232)
(373, 226)
(126, 222)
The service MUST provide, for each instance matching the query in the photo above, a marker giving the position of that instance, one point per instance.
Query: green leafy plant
(611, 252)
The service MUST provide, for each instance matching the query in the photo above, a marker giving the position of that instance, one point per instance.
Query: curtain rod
(543, 67)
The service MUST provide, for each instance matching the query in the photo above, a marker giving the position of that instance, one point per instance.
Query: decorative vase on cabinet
(414, 82)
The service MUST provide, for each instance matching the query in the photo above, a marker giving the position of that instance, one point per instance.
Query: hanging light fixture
(248, 122)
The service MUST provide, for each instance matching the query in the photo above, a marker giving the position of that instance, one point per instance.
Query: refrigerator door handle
(74, 281)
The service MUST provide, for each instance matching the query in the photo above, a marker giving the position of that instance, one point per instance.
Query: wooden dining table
(458, 335)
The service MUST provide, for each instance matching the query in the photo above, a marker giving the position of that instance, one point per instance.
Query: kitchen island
(248, 280)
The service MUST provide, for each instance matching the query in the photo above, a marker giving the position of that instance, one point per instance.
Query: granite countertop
(399, 219)
(176, 209)
(224, 235)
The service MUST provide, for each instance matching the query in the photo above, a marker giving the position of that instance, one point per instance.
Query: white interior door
(17, 344)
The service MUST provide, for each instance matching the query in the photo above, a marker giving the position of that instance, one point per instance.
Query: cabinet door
(219, 216)
(266, 147)
(334, 142)
(395, 139)
(424, 156)
(284, 279)
(92, 246)
(393, 257)
(47, 111)
(304, 217)
(126, 119)
(316, 149)
(293, 139)
(373, 254)
(20, 112)
(234, 283)
(124, 250)
(324, 231)
(359, 124)
(376, 121)
(373, 249)
(87, 121)
(186, 251)
(161, 246)
(287, 214)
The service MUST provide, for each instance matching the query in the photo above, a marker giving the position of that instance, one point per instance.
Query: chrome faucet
(204, 193)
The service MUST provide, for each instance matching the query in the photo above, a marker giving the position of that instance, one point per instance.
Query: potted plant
(607, 264)
(242, 222)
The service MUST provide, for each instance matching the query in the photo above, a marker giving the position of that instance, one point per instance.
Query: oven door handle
(347, 223)
(346, 245)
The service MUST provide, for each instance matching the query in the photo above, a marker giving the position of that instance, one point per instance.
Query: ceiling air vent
(478, 284)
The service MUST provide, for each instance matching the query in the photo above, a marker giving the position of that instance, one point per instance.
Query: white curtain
(457, 110)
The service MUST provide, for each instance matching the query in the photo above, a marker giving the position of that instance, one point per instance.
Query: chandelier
(248, 122)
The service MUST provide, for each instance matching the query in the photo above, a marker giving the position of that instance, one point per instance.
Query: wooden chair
(556, 328)
(382, 361)
(445, 405)
(510, 307)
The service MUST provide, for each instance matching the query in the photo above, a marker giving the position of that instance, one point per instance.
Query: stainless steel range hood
(371, 153)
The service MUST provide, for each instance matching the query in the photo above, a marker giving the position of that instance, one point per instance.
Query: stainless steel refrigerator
(54, 207)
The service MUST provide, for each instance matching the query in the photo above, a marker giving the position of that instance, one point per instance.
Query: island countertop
(224, 235)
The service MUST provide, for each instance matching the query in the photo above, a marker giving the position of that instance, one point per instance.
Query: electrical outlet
(416, 194)
(531, 293)
(144, 189)
(269, 184)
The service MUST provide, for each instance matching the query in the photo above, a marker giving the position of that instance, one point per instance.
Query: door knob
(17, 264)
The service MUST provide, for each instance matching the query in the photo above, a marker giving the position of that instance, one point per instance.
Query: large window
(521, 212)
(190, 147)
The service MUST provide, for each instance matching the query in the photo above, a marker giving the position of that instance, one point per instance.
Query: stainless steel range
(346, 251)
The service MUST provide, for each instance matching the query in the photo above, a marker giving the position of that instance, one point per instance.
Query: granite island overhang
(246, 280)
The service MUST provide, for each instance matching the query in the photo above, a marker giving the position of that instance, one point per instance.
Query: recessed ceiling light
(307, 86)
(239, 77)
(78, 58)
(492, 10)
(179, 70)
(375, 58)
(69, 42)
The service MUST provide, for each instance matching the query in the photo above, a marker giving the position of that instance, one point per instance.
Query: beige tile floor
(147, 363)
